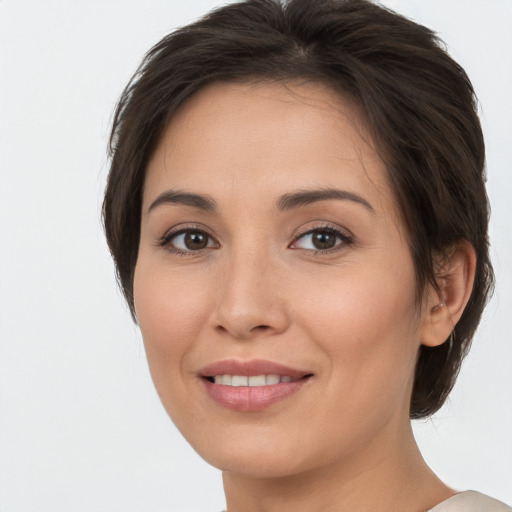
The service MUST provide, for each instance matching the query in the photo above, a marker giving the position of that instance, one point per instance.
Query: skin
(259, 290)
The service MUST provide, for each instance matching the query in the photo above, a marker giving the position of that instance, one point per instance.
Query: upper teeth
(253, 380)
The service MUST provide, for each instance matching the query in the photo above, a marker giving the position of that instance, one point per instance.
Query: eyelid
(165, 240)
(343, 234)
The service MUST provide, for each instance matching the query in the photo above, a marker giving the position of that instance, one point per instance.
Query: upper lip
(250, 368)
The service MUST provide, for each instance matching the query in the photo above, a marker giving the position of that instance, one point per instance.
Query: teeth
(257, 380)
(252, 381)
(240, 380)
(272, 379)
(226, 380)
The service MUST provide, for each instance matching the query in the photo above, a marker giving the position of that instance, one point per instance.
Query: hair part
(417, 102)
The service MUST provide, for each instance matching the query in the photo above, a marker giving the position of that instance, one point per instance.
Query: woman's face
(271, 247)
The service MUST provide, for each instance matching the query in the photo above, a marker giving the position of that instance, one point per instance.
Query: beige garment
(471, 501)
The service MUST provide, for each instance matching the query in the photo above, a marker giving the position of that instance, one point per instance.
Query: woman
(297, 213)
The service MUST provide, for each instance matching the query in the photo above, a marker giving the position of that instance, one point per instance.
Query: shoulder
(471, 501)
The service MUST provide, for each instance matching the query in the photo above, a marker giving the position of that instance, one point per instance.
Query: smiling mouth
(253, 380)
(252, 385)
(253, 393)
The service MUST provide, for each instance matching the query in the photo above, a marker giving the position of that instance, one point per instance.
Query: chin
(252, 462)
(257, 451)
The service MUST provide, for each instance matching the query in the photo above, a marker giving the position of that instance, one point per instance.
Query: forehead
(242, 141)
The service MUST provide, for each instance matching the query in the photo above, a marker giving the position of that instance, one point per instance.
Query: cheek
(365, 329)
(365, 322)
(170, 313)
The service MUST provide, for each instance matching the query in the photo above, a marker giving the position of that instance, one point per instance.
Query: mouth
(252, 373)
(253, 380)
(251, 385)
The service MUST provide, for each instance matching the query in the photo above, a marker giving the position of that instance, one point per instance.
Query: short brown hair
(417, 101)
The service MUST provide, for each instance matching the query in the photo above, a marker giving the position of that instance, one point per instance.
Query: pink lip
(250, 368)
(247, 398)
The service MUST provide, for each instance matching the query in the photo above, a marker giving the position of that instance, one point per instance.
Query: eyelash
(346, 239)
(165, 241)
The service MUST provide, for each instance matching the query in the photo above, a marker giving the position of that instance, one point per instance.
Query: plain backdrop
(81, 427)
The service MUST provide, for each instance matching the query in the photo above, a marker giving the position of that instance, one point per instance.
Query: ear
(445, 306)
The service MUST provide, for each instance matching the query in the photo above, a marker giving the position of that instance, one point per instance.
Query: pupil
(324, 240)
(195, 240)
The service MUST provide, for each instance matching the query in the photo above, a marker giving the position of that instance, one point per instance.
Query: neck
(393, 477)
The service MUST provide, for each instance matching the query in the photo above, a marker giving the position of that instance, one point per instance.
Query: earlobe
(446, 305)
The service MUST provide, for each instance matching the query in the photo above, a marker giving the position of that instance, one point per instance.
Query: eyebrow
(185, 198)
(286, 202)
(306, 197)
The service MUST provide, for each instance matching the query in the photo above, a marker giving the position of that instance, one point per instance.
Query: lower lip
(252, 398)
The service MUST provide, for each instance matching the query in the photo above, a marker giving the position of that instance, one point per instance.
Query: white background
(81, 428)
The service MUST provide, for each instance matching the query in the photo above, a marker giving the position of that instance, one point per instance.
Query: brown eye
(195, 240)
(323, 240)
(188, 241)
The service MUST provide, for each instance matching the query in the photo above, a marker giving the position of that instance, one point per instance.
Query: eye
(322, 240)
(187, 241)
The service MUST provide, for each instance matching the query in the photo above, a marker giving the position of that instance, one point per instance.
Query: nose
(250, 300)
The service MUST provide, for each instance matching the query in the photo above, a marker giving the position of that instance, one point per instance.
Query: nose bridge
(249, 300)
